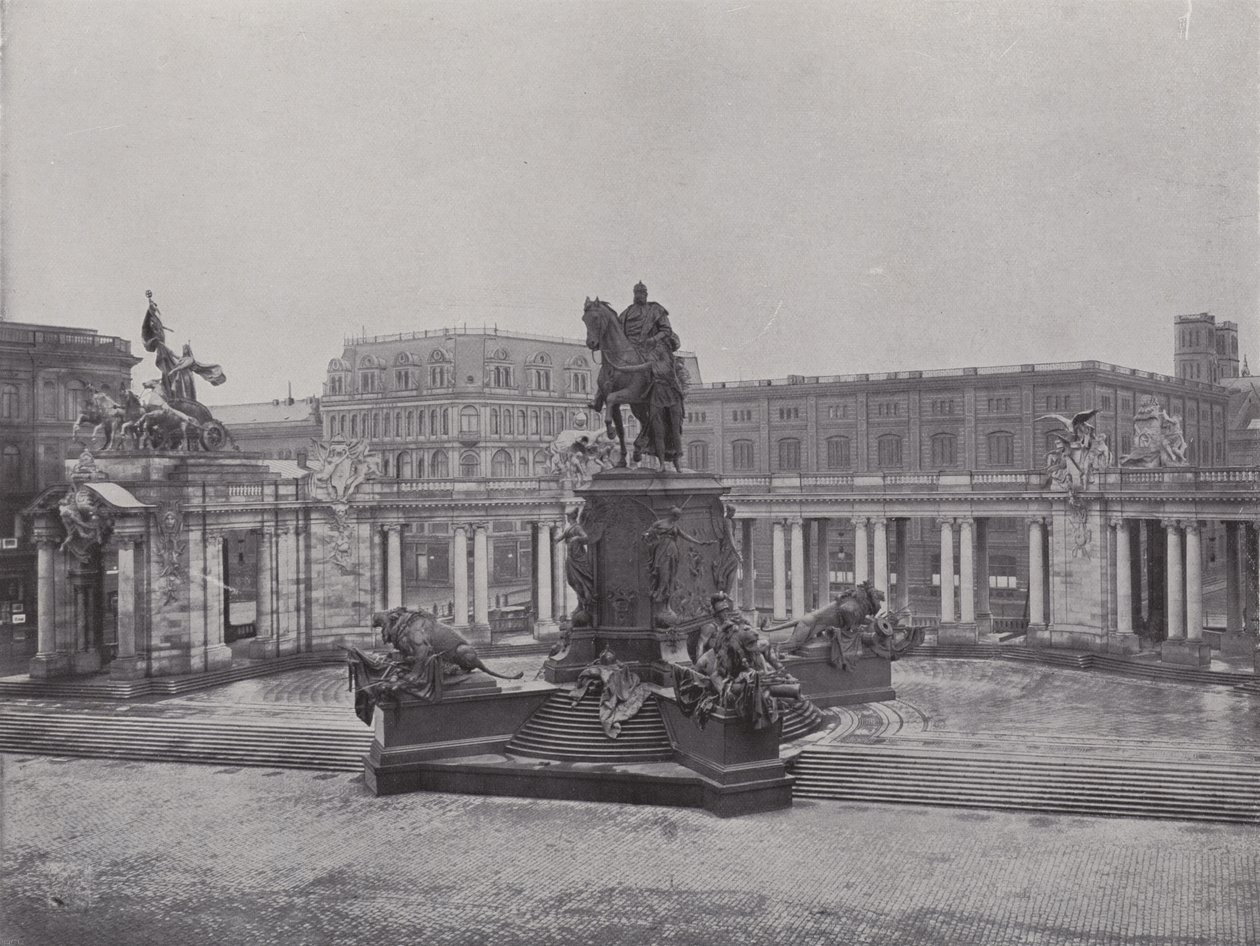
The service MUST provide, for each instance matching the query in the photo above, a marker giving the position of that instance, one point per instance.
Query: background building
(45, 371)
(1204, 350)
(280, 430)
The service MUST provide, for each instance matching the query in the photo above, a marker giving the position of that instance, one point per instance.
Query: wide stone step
(210, 742)
(1065, 784)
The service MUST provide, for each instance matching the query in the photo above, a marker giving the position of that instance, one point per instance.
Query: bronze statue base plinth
(868, 678)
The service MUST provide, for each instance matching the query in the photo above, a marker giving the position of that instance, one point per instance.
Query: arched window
(402, 465)
(446, 422)
(789, 454)
(546, 418)
(533, 423)
(419, 466)
(376, 426)
(944, 451)
(501, 464)
(397, 423)
(11, 466)
(354, 425)
(470, 466)
(698, 455)
(539, 372)
(838, 455)
(743, 456)
(469, 420)
(411, 423)
(341, 425)
(999, 448)
(494, 422)
(540, 461)
(9, 402)
(441, 465)
(888, 451)
(433, 423)
(48, 399)
(507, 422)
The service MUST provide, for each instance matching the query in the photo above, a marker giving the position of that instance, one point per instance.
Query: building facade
(45, 371)
(281, 429)
(1204, 350)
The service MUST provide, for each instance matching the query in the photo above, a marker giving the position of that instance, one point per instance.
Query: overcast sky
(808, 188)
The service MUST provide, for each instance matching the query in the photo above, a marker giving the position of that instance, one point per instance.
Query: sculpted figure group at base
(736, 669)
(639, 370)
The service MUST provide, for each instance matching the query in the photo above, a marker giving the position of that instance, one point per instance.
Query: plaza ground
(120, 852)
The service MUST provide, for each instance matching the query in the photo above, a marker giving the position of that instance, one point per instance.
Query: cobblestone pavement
(133, 853)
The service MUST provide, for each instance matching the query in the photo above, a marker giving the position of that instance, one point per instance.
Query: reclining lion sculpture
(426, 653)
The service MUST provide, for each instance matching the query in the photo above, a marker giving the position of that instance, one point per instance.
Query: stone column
(459, 569)
(778, 571)
(1036, 574)
(861, 551)
(748, 584)
(1174, 598)
(881, 557)
(47, 662)
(901, 529)
(984, 613)
(481, 582)
(545, 627)
(1124, 578)
(286, 591)
(798, 568)
(559, 552)
(264, 643)
(1233, 586)
(947, 570)
(1194, 581)
(966, 572)
(822, 562)
(393, 567)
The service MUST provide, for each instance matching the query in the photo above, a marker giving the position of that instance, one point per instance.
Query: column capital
(1171, 524)
(1036, 520)
(943, 521)
(1117, 522)
(1192, 525)
(878, 521)
(393, 528)
(965, 521)
(480, 527)
(461, 527)
(116, 540)
(858, 521)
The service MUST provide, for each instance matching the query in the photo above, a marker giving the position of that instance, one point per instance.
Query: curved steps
(800, 719)
(566, 732)
(1069, 785)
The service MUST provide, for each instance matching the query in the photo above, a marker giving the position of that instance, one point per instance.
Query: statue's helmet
(640, 288)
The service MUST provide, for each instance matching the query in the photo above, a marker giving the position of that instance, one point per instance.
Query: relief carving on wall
(170, 550)
(341, 467)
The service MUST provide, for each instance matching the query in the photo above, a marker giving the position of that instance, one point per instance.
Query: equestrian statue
(639, 370)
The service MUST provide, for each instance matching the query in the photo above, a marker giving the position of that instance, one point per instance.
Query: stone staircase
(218, 741)
(1064, 784)
(800, 719)
(564, 732)
(102, 688)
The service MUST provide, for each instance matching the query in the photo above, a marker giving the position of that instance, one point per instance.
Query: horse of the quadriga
(108, 419)
(625, 378)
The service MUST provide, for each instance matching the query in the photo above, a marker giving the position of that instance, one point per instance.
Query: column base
(546, 631)
(43, 666)
(984, 624)
(957, 634)
(286, 646)
(1123, 642)
(126, 668)
(1037, 635)
(1185, 653)
(264, 648)
(478, 633)
(85, 661)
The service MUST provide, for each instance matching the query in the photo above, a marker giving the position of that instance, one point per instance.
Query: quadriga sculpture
(427, 653)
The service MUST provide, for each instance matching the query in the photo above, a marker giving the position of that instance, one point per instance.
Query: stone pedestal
(957, 634)
(43, 666)
(473, 718)
(625, 516)
(1185, 653)
(867, 680)
(741, 768)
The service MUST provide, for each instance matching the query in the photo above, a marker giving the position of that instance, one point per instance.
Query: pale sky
(808, 188)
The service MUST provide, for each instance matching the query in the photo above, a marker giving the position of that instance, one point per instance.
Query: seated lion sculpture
(426, 654)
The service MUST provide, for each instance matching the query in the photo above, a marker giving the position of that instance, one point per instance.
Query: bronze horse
(625, 378)
(108, 418)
